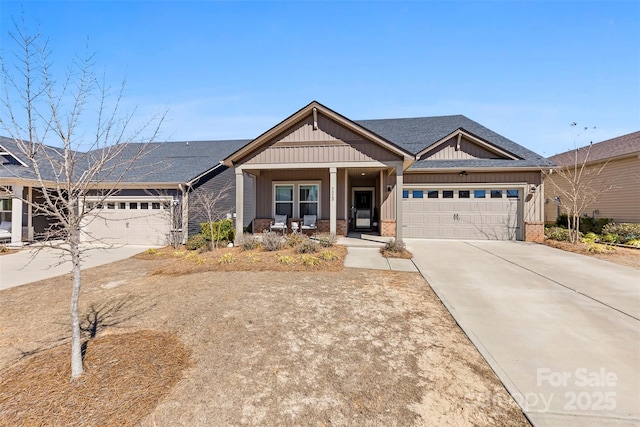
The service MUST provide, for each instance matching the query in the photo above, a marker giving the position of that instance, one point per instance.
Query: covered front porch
(343, 199)
(16, 215)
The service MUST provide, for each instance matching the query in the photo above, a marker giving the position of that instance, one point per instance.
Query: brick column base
(534, 232)
(388, 228)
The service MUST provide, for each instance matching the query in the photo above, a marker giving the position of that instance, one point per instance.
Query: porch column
(239, 202)
(399, 184)
(16, 214)
(30, 215)
(333, 204)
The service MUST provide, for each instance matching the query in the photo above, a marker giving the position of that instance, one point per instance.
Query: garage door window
(463, 194)
(405, 194)
(447, 194)
(155, 206)
(496, 194)
(133, 205)
(512, 194)
(479, 194)
(432, 194)
(418, 194)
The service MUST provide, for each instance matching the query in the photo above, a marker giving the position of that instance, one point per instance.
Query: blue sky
(226, 70)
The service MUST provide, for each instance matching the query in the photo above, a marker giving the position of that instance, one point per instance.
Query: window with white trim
(308, 199)
(296, 199)
(284, 199)
(5, 209)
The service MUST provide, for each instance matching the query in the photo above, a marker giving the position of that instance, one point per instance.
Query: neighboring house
(619, 159)
(151, 203)
(429, 177)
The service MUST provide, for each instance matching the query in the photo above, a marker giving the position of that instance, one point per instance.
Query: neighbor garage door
(465, 213)
(131, 222)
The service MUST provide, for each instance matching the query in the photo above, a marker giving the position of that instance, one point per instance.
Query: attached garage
(142, 221)
(462, 213)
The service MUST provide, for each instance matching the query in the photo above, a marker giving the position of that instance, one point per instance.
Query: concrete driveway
(561, 330)
(29, 265)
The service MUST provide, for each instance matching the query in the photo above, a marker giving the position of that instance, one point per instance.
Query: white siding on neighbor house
(621, 203)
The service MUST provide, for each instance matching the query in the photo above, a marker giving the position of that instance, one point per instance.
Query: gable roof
(313, 108)
(420, 133)
(608, 149)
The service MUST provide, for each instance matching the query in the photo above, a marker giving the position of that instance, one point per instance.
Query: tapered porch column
(399, 184)
(239, 202)
(333, 204)
(16, 215)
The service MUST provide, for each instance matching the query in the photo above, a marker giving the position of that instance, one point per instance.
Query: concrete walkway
(28, 265)
(366, 254)
(561, 330)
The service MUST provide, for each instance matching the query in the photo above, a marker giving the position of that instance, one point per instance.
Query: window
(144, 205)
(496, 194)
(447, 194)
(432, 194)
(308, 199)
(463, 194)
(512, 194)
(5, 209)
(418, 194)
(111, 205)
(405, 194)
(479, 194)
(155, 205)
(296, 199)
(133, 205)
(123, 205)
(284, 200)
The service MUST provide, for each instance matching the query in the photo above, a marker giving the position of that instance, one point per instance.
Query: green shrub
(248, 242)
(328, 256)
(196, 242)
(308, 247)
(395, 246)
(610, 238)
(633, 242)
(271, 241)
(286, 259)
(587, 223)
(625, 231)
(222, 230)
(293, 240)
(590, 238)
(310, 260)
(556, 233)
(226, 259)
(327, 240)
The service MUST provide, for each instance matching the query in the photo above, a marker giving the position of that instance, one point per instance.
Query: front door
(363, 208)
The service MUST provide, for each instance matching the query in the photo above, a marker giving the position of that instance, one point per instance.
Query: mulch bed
(129, 373)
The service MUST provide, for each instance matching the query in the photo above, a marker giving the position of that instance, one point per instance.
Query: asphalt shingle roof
(180, 162)
(615, 147)
(416, 134)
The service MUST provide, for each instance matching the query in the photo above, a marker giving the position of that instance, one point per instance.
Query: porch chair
(309, 223)
(280, 224)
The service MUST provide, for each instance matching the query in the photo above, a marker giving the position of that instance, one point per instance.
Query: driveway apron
(561, 330)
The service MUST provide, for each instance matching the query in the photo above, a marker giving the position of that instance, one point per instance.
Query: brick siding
(534, 231)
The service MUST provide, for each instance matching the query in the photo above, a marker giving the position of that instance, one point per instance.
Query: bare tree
(46, 121)
(578, 182)
(207, 205)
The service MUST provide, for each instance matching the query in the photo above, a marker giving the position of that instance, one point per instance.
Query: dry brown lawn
(616, 254)
(308, 347)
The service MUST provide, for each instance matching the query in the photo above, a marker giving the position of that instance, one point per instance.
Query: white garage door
(487, 214)
(139, 222)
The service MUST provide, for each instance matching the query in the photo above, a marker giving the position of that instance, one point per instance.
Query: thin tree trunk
(76, 343)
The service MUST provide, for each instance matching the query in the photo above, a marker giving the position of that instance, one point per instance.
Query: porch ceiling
(365, 172)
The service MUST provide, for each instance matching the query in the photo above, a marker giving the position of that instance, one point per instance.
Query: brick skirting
(534, 232)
